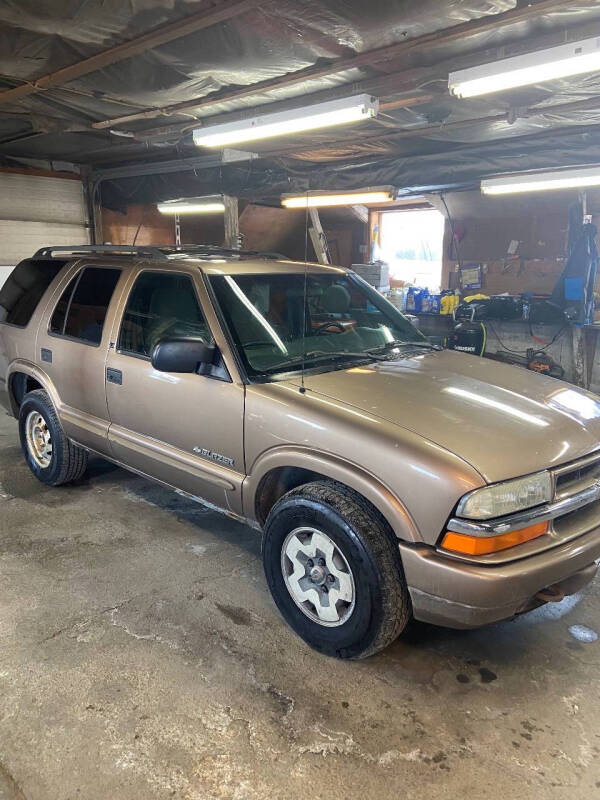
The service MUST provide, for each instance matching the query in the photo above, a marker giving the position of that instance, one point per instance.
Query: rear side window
(57, 323)
(81, 310)
(24, 288)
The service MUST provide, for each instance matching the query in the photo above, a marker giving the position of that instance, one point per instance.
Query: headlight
(507, 497)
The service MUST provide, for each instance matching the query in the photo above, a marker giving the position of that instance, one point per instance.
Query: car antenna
(304, 297)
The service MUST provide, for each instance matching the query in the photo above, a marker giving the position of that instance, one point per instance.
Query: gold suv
(390, 479)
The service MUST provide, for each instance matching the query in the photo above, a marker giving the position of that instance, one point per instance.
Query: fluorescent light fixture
(283, 123)
(575, 58)
(211, 204)
(579, 178)
(380, 194)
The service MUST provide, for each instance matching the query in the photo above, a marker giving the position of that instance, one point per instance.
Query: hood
(505, 421)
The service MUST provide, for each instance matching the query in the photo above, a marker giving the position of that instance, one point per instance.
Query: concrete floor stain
(133, 669)
(238, 615)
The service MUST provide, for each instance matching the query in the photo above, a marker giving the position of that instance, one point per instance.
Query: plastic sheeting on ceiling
(275, 38)
(41, 36)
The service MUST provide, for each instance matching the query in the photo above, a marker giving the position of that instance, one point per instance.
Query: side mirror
(182, 355)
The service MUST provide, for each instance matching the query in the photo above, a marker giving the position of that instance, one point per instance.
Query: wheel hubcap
(318, 577)
(39, 441)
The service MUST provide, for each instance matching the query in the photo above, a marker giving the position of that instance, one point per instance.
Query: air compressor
(468, 337)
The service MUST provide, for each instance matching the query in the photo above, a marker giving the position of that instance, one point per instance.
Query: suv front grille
(570, 480)
(576, 478)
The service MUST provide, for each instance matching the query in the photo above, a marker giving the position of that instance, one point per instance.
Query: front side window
(24, 288)
(277, 325)
(81, 310)
(161, 306)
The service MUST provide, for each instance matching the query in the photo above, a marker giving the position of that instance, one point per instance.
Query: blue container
(574, 288)
(435, 303)
(415, 299)
(410, 299)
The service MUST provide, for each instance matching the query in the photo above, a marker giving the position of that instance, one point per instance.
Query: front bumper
(457, 594)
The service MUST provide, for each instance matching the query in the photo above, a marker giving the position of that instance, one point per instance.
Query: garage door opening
(412, 243)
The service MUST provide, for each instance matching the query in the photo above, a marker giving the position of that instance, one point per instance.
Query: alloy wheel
(318, 577)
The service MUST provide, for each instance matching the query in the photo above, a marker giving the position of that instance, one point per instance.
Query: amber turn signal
(482, 546)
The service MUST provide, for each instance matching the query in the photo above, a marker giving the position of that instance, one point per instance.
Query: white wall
(38, 211)
(4, 273)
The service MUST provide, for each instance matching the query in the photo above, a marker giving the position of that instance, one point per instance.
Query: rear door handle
(114, 376)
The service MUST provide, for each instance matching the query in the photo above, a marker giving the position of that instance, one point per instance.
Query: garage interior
(141, 655)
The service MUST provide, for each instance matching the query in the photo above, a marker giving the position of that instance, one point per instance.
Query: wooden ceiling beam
(367, 59)
(212, 15)
(412, 99)
(589, 103)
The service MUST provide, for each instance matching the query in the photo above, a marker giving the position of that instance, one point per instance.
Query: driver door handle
(114, 376)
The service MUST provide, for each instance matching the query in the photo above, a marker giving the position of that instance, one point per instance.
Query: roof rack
(160, 252)
(46, 252)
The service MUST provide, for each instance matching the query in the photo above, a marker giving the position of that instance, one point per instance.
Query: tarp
(462, 167)
(275, 38)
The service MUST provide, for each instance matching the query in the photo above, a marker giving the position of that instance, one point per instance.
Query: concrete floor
(142, 657)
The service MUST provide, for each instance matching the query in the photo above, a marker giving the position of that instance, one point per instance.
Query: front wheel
(334, 570)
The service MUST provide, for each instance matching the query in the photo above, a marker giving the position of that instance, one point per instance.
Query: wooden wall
(263, 228)
(154, 227)
(539, 222)
(277, 230)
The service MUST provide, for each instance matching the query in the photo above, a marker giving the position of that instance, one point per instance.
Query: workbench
(575, 347)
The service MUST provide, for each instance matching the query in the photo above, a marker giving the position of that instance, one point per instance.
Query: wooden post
(232, 227)
(318, 238)
(590, 333)
(579, 356)
(94, 211)
(361, 213)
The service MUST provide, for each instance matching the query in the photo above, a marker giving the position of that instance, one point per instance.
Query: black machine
(467, 337)
(572, 299)
(509, 307)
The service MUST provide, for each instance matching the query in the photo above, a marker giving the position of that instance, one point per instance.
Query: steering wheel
(325, 325)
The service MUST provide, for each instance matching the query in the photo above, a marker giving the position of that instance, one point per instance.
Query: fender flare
(31, 369)
(350, 474)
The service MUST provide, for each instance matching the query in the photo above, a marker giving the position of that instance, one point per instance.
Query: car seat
(336, 300)
(174, 311)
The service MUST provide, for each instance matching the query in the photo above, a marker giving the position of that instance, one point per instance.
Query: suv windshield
(275, 330)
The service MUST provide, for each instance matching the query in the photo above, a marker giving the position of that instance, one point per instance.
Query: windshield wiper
(405, 343)
(319, 355)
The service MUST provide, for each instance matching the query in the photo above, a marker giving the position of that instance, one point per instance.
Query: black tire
(382, 605)
(68, 462)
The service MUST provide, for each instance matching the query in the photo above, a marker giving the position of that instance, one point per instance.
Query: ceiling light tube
(323, 199)
(211, 204)
(283, 123)
(578, 178)
(564, 61)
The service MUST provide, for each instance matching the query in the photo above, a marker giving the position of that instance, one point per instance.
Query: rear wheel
(334, 570)
(50, 455)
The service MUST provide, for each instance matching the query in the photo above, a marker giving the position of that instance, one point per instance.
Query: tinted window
(24, 288)
(160, 306)
(81, 310)
(57, 323)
